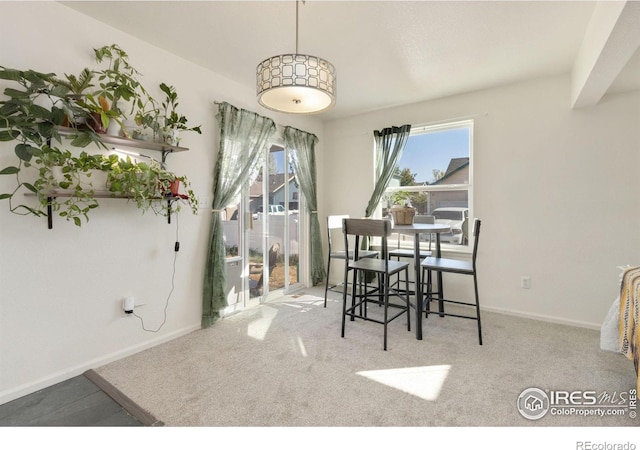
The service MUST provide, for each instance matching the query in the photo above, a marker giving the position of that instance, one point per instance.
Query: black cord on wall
(176, 248)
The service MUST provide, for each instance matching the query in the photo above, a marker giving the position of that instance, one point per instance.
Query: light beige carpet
(284, 364)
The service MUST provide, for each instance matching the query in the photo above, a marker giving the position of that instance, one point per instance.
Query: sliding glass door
(274, 237)
(262, 235)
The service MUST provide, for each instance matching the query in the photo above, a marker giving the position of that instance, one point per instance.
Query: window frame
(468, 187)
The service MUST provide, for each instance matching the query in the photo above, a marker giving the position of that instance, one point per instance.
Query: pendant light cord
(297, 20)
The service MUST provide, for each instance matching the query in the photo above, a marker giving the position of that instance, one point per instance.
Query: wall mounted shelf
(96, 194)
(117, 141)
(114, 142)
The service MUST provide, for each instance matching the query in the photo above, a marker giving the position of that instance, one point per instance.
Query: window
(436, 168)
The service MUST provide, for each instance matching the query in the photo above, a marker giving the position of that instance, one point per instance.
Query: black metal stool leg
(326, 284)
(406, 296)
(475, 285)
(429, 295)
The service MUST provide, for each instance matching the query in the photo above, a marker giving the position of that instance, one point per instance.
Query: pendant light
(295, 83)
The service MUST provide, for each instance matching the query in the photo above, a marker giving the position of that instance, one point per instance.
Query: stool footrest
(455, 302)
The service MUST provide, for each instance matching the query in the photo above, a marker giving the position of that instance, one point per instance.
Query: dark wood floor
(85, 400)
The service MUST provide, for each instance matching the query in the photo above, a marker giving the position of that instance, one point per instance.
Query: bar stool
(383, 267)
(335, 223)
(442, 265)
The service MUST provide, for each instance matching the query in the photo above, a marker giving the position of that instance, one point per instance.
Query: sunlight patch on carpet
(258, 328)
(303, 349)
(303, 302)
(424, 382)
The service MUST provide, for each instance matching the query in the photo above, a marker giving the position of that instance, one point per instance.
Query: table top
(422, 228)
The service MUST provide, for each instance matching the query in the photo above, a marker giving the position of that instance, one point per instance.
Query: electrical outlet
(203, 203)
(525, 282)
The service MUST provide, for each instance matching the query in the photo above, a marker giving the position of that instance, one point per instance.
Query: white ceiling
(386, 53)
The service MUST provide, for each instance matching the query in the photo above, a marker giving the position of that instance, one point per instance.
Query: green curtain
(243, 138)
(389, 145)
(301, 146)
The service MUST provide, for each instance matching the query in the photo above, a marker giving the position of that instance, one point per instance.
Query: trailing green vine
(37, 106)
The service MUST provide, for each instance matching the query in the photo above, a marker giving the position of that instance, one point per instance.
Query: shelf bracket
(50, 199)
(49, 213)
(164, 157)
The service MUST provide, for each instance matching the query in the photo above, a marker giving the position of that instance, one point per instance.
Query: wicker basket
(403, 215)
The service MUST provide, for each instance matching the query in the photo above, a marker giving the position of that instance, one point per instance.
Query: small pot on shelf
(174, 187)
(171, 136)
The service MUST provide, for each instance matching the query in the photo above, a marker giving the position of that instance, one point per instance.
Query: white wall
(61, 289)
(557, 189)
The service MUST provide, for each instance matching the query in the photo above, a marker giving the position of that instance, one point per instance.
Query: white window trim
(423, 129)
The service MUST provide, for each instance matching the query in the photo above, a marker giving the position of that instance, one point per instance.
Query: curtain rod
(424, 125)
(443, 121)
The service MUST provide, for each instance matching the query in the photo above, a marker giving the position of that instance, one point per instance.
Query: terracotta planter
(403, 215)
(174, 187)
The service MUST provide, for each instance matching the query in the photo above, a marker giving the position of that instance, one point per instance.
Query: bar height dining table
(417, 229)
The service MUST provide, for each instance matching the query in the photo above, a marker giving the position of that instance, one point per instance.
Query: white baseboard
(534, 316)
(543, 318)
(57, 377)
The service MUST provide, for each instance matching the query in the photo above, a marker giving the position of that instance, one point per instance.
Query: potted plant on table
(401, 209)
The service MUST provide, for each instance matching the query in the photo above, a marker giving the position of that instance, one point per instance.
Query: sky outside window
(428, 151)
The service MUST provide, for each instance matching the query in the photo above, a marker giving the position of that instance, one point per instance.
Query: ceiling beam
(611, 38)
